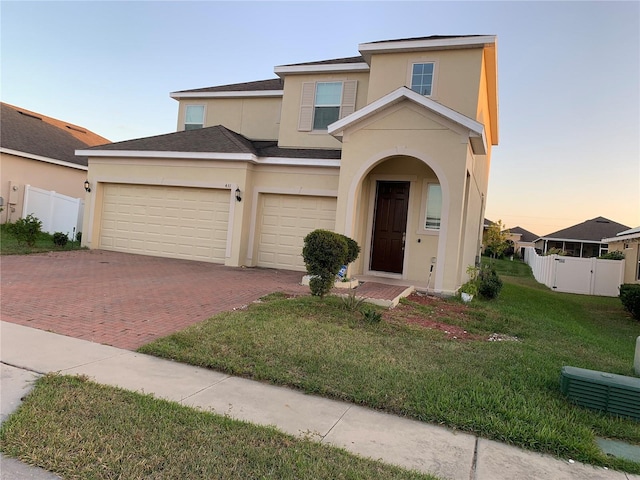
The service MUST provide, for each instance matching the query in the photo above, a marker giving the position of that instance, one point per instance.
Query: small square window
(422, 78)
(194, 117)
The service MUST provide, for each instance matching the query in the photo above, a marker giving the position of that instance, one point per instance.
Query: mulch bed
(437, 319)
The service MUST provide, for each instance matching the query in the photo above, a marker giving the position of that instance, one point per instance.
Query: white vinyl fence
(587, 276)
(57, 212)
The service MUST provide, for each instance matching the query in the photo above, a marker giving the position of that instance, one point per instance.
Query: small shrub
(79, 237)
(555, 251)
(26, 230)
(615, 255)
(60, 239)
(630, 298)
(489, 283)
(351, 302)
(371, 315)
(324, 253)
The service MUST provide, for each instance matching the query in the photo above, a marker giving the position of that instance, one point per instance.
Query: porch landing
(383, 294)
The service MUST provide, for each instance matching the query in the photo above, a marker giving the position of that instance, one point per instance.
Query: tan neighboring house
(39, 151)
(627, 242)
(521, 238)
(391, 147)
(583, 239)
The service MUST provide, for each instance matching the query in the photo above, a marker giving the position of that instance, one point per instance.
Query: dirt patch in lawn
(440, 313)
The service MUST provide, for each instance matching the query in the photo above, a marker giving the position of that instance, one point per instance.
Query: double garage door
(177, 222)
(192, 223)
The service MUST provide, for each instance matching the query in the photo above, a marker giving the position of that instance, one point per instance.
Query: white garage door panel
(177, 222)
(285, 221)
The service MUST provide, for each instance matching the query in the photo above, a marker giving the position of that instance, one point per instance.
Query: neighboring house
(627, 242)
(391, 148)
(39, 151)
(581, 240)
(521, 239)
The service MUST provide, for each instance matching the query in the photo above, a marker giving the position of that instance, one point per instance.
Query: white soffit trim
(248, 157)
(229, 94)
(322, 68)
(476, 128)
(394, 46)
(31, 156)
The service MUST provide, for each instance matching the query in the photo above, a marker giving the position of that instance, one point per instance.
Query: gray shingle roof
(334, 61)
(591, 230)
(30, 132)
(218, 139)
(258, 85)
(432, 37)
(525, 235)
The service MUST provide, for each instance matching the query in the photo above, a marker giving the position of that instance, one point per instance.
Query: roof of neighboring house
(630, 234)
(590, 230)
(333, 61)
(36, 134)
(431, 37)
(525, 235)
(218, 139)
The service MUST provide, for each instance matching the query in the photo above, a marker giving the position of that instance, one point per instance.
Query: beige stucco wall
(456, 77)
(289, 136)
(631, 258)
(18, 171)
(256, 118)
(251, 179)
(401, 131)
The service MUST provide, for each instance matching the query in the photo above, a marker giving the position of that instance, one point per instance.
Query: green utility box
(608, 392)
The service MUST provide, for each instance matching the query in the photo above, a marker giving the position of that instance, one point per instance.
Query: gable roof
(216, 142)
(25, 132)
(593, 230)
(476, 129)
(525, 235)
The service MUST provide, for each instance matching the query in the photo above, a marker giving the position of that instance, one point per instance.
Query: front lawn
(9, 245)
(80, 430)
(432, 360)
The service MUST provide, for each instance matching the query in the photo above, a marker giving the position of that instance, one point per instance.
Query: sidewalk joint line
(473, 475)
(205, 388)
(336, 423)
(23, 368)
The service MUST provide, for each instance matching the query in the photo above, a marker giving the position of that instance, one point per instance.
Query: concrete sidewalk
(407, 443)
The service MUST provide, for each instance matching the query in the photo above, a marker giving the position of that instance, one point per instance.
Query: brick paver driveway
(127, 300)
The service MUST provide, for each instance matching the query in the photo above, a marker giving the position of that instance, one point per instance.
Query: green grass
(81, 430)
(507, 391)
(10, 246)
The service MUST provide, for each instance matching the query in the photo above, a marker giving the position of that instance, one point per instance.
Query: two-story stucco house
(391, 147)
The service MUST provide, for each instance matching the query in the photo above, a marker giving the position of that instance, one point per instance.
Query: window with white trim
(323, 103)
(434, 207)
(422, 78)
(194, 117)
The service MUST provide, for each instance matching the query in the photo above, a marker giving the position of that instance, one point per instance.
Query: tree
(495, 241)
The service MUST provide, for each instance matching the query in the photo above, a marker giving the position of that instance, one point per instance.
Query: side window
(194, 117)
(322, 103)
(434, 206)
(422, 78)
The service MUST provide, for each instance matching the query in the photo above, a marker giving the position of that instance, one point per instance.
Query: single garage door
(177, 222)
(284, 222)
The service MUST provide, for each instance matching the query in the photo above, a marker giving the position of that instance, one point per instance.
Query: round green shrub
(630, 298)
(26, 230)
(489, 283)
(60, 239)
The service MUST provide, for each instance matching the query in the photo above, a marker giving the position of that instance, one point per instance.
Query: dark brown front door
(389, 226)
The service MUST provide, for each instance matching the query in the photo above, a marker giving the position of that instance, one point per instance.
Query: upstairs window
(323, 103)
(194, 117)
(422, 78)
(327, 104)
(434, 206)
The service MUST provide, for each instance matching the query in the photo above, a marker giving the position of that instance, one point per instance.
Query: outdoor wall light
(238, 197)
(87, 186)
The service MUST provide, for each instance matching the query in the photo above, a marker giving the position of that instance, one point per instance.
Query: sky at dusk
(568, 79)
